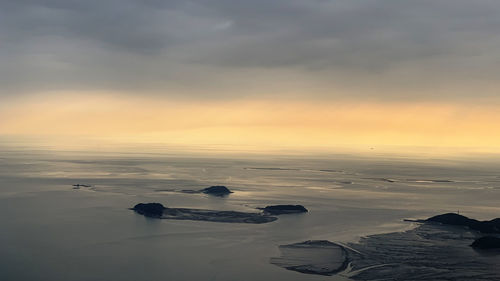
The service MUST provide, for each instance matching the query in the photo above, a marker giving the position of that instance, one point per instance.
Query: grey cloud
(222, 48)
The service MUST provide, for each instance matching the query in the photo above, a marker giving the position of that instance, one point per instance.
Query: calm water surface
(51, 231)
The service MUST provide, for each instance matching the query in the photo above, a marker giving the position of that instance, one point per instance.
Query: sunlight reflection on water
(60, 232)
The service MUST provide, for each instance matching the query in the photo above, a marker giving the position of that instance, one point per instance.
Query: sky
(313, 73)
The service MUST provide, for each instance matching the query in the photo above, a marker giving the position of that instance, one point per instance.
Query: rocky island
(486, 243)
(491, 226)
(217, 190)
(157, 210)
(485, 227)
(284, 209)
(152, 210)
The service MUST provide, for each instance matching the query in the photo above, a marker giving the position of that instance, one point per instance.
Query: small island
(217, 190)
(284, 209)
(152, 210)
(157, 210)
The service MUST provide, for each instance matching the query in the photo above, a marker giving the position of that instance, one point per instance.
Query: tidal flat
(51, 231)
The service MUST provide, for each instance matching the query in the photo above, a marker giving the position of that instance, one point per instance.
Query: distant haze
(299, 73)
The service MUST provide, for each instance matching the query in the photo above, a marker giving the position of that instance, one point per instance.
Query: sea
(51, 230)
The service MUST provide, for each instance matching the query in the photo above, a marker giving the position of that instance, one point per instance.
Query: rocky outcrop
(492, 226)
(153, 210)
(217, 190)
(486, 243)
(284, 209)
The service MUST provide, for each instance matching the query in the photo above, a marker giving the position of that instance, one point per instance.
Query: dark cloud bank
(226, 48)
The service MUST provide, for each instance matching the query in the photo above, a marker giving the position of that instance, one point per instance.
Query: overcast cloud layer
(380, 49)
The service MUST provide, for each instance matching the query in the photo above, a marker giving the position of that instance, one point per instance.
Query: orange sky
(306, 74)
(261, 122)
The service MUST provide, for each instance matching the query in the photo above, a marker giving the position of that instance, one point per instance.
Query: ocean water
(50, 231)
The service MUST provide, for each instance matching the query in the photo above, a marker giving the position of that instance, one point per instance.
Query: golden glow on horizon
(255, 122)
